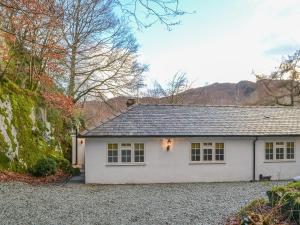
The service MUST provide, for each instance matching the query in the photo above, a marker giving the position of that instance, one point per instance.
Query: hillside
(242, 93)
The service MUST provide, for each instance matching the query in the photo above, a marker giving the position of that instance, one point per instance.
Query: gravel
(196, 203)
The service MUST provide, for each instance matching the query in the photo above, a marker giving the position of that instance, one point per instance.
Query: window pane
(139, 152)
(126, 155)
(112, 153)
(207, 154)
(269, 150)
(195, 152)
(219, 148)
(290, 150)
(279, 153)
(126, 145)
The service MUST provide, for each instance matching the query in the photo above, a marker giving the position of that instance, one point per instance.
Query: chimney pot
(130, 102)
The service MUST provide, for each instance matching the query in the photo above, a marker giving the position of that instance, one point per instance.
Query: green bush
(64, 165)
(257, 203)
(288, 199)
(295, 185)
(275, 194)
(44, 167)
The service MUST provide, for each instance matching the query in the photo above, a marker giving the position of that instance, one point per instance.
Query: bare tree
(101, 58)
(173, 93)
(155, 92)
(283, 85)
(147, 12)
(176, 87)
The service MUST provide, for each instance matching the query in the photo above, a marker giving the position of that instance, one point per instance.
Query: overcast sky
(223, 41)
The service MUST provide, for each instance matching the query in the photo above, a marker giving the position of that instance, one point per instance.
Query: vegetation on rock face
(31, 139)
(35, 114)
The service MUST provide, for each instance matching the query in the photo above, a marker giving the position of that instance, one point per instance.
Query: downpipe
(254, 159)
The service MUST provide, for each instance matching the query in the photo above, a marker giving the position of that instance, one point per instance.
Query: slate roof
(191, 120)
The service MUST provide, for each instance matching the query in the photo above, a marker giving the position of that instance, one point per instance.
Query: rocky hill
(242, 93)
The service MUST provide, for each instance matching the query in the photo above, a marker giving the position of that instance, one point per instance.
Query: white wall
(168, 167)
(80, 151)
(278, 170)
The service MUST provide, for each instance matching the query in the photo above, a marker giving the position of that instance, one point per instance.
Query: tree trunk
(71, 87)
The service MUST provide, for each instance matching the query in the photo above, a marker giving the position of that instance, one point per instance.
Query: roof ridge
(220, 106)
(114, 116)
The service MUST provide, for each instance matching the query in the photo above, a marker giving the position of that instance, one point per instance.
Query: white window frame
(120, 148)
(118, 156)
(191, 148)
(294, 148)
(275, 146)
(125, 148)
(265, 151)
(133, 152)
(209, 147)
(213, 147)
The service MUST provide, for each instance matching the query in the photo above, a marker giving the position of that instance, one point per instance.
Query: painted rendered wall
(168, 167)
(80, 151)
(162, 166)
(278, 170)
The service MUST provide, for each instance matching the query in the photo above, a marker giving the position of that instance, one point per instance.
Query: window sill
(280, 161)
(125, 164)
(203, 163)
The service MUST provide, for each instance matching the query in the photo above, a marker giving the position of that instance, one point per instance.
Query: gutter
(174, 135)
(254, 159)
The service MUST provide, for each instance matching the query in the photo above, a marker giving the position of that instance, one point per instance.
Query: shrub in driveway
(288, 199)
(282, 208)
(44, 167)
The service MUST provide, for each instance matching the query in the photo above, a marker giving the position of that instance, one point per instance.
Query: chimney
(130, 102)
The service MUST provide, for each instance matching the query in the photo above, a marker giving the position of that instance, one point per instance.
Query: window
(219, 151)
(195, 152)
(112, 153)
(139, 153)
(279, 150)
(125, 153)
(207, 151)
(269, 151)
(290, 150)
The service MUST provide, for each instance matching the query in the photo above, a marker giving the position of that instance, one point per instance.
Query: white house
(181, 143)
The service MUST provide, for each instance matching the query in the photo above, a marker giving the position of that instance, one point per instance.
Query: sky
(222, 41)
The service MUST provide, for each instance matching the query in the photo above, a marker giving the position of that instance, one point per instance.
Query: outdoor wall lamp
(169, 142)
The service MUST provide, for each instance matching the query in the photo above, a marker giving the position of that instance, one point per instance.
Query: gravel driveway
(156, 204)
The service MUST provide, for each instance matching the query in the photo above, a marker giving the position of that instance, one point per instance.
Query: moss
(31, 146)
(3, 145)
(30, 135)
(4, 161)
